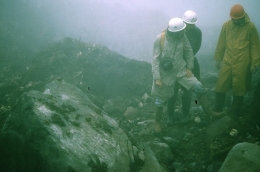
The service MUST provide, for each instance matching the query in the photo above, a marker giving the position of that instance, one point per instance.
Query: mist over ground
(127, 27)
(35, 50)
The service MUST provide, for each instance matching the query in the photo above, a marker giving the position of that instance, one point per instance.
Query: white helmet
(190, 17)
(176, 25)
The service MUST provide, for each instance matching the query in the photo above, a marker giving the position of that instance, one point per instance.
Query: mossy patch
(104, 126)
(96, 165)
(56, 119)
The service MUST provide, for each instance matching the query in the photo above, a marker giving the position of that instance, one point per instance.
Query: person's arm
(156, 60)
(188, 53)
(254, 48)
(197, 45)
(221, 46)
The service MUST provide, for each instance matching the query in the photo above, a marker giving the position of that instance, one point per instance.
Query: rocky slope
(120, 87)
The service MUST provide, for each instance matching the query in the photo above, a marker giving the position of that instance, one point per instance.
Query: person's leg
(159, 103)
(203, 99)
(223, 85)
(158, 118)
(171, 103)
(220, 101)
(196, 68)
(186, 103)
(237, 105)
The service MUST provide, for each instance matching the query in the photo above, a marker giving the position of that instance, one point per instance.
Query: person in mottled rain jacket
(238, 50)
(194, 36)
(172, 62)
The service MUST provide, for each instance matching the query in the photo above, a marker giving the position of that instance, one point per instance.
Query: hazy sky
(130, 26)
(120, 24)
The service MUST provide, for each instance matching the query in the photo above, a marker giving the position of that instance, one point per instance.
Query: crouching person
(172, 63)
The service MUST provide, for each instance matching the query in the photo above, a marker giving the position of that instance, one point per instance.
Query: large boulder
(60, 129)
(242, 157)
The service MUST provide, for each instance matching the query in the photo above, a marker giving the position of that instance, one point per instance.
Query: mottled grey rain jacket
(181, 54)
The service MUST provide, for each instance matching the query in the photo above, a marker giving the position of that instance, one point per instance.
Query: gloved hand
(158, 82)
(253, 69)
(217, 64)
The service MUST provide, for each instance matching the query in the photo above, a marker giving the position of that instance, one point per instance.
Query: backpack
(162, 39)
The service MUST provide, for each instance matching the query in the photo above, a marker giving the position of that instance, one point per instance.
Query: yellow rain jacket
(238, 49)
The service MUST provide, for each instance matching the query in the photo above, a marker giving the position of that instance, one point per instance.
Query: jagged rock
(139, 153)
(218, 127)
(140, 105)
(216, 132)
(60, 129)
(145, 97)
(145, 128)
(171, 142)
(151, 163)
(162, 151)
(131, 113)
(242, 157)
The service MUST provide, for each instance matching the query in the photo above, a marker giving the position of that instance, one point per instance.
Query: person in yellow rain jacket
(238, 50)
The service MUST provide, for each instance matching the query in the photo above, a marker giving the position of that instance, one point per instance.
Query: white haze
(130, 26)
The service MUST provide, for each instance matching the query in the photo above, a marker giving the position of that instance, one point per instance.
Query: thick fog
(128, 27)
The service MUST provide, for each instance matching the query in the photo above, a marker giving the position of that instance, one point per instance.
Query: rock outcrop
(242, 157)
(60, 129)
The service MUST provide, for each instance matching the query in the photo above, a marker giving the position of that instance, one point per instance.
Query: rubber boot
(171, 105)
(206, 106)
(236, 106)
(158, 118)
(220, 101)
(186, 103)
(171, 108)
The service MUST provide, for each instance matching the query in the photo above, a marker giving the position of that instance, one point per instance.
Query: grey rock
(60, 129)
(131, 113)
(151, 162)
(242, 157)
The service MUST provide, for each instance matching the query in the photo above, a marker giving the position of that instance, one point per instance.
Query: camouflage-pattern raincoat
(238, 49)
(179, 51)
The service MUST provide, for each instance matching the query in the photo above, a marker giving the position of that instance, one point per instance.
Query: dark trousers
(196, 68)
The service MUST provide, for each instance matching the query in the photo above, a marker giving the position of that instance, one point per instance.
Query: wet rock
(151, 163)
(162, 151)
(60, 129)
(131, 113)
(242, 157)
(171, 142)
(218, 127)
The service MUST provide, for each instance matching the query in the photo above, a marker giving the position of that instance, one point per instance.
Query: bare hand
(158, 82)
(253, 69)
(217, 64)
(189, 73)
